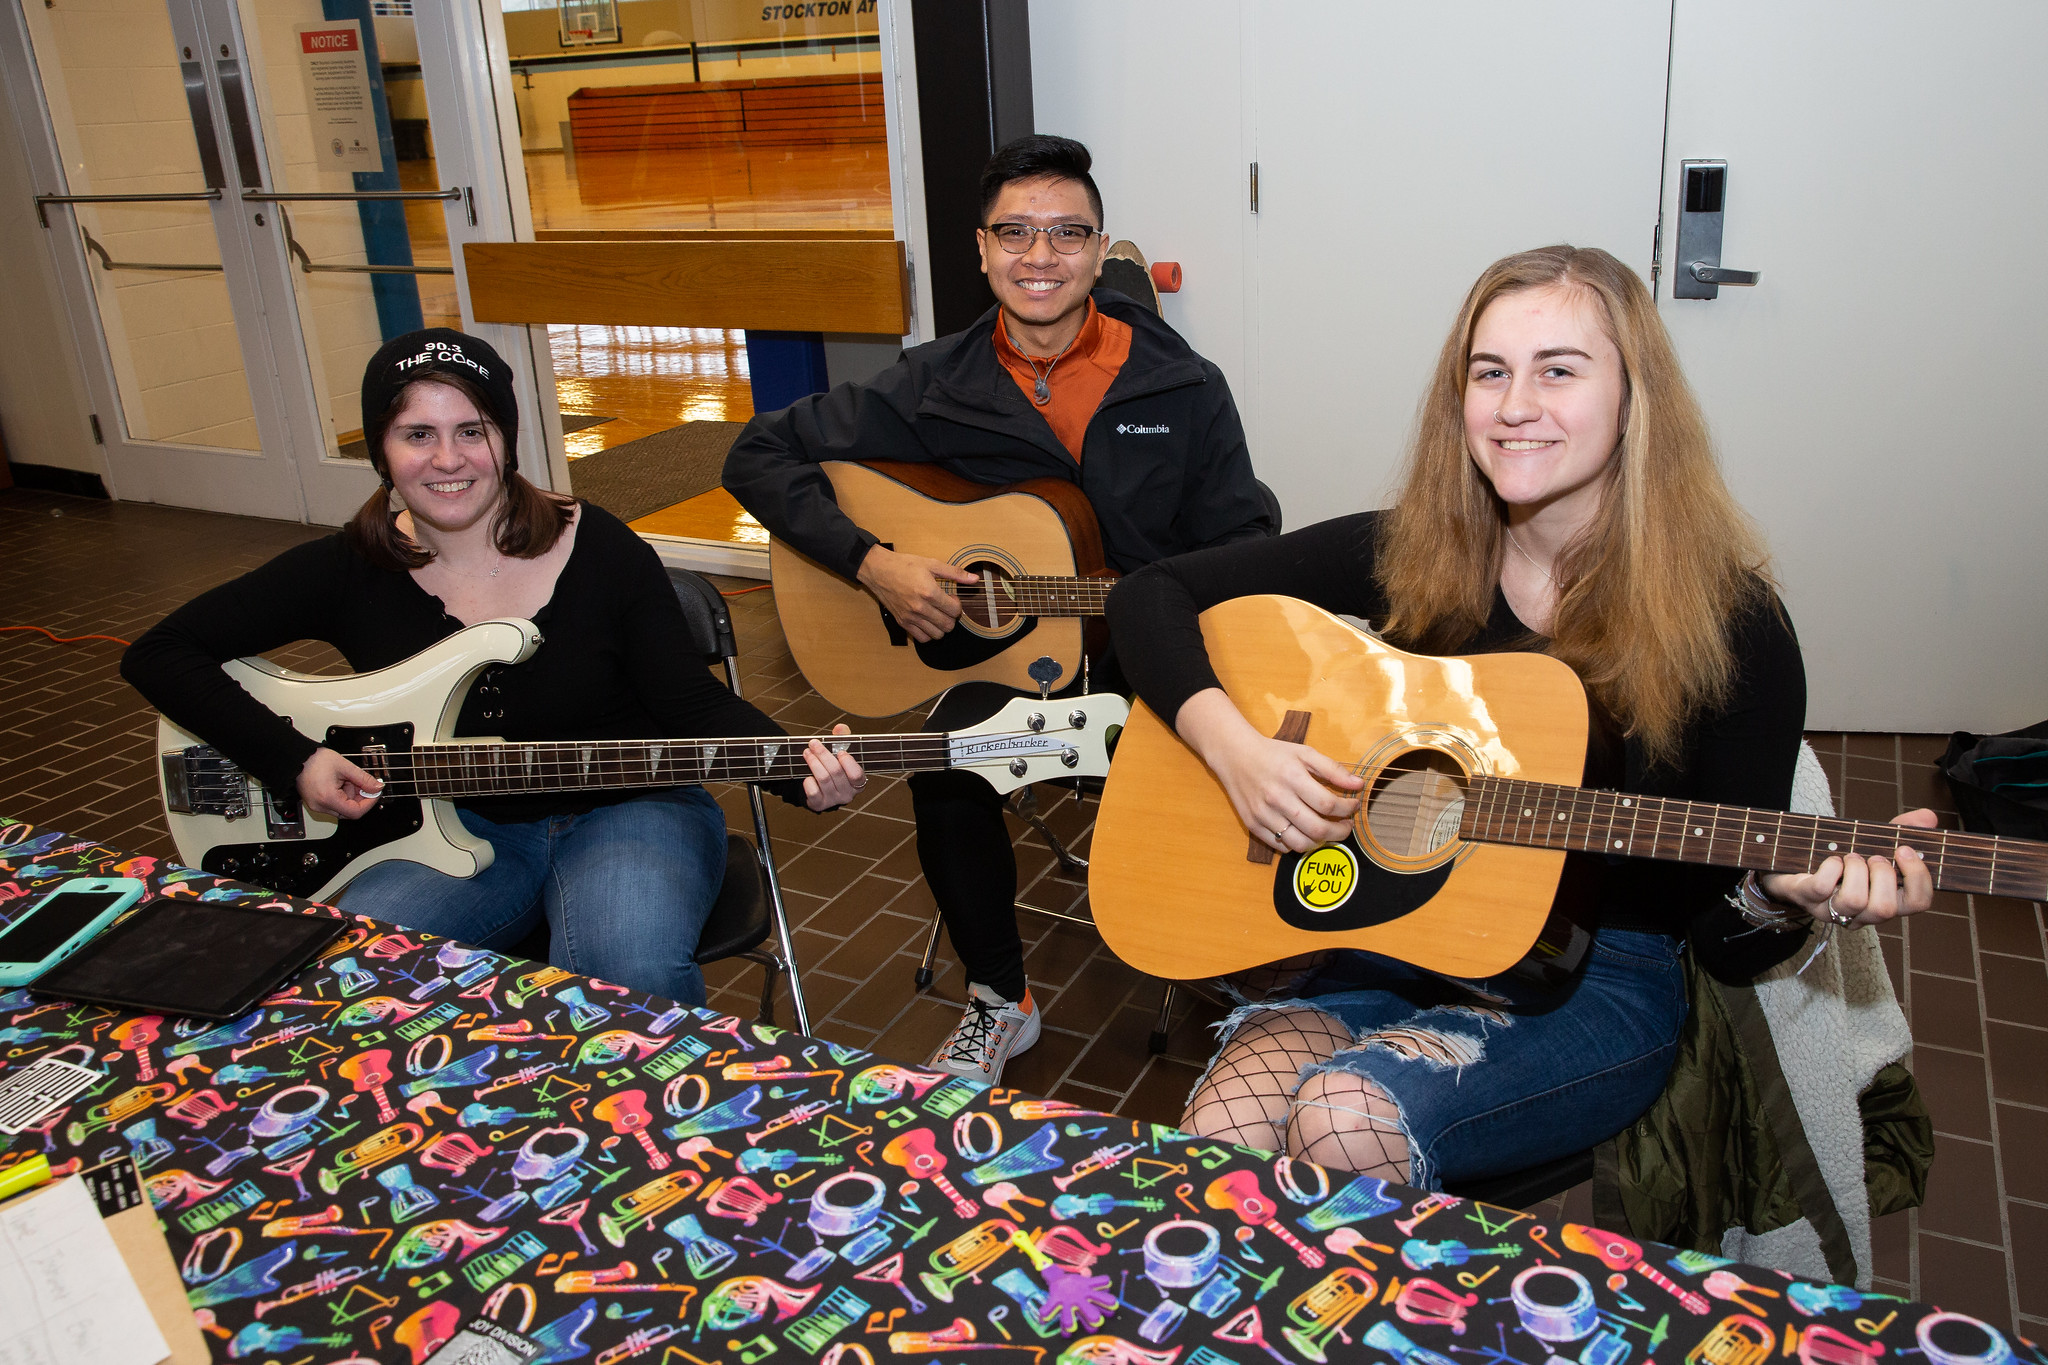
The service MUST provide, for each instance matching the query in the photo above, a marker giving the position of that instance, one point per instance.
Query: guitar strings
(1795, 845)
(459, 769)
(1947, 851)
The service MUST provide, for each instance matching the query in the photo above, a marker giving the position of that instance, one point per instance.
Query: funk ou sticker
(1325, 877)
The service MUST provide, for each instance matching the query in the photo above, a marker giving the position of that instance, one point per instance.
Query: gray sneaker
(992, 1031)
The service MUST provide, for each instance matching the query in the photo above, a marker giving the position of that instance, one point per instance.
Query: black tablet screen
(203, 959)
(50, 924)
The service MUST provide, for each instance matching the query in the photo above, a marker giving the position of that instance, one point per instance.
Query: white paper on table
(66, 1297)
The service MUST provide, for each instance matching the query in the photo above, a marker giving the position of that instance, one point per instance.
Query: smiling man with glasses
(1058, 380)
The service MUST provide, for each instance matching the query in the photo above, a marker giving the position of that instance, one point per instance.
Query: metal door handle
(43, 201)
(240, 130)
(1714, 274)
(202, 123)
(347, 196)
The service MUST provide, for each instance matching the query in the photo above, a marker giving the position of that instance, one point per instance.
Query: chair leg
(781, 915)
(1162, 1025)
(771, 965)
(1023, 803)
(931, 952)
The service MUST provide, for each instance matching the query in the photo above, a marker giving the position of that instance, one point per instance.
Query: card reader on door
(1702, 195)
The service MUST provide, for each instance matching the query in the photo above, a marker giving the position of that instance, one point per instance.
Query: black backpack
(2000, 782)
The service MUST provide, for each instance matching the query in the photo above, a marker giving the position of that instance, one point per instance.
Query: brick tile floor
(75, 753)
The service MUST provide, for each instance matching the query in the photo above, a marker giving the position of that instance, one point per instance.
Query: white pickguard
(425, 691)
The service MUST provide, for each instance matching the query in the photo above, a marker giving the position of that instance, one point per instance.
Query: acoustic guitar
(1034, 547)
(1457, 860)
(397, 723)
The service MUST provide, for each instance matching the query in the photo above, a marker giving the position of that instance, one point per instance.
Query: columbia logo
(1126, 429)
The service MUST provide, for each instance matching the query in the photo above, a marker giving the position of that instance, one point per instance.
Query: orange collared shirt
(1080, 378)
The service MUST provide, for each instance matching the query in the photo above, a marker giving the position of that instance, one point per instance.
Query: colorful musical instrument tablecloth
(421, 1151)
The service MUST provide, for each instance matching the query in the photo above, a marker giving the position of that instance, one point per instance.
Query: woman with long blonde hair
(1561, 494)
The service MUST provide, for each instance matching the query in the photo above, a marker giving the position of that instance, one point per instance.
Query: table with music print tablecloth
(420, 1147)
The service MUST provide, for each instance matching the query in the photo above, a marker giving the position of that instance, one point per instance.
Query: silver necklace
(461, 574)
(1525, 555)
(1041, 388)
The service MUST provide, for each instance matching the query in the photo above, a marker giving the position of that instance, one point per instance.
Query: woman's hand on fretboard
(1858, 889)
(835, 776)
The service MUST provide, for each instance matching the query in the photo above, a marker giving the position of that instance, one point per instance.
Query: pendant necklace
(492, 573)
(1041, 388)
(1526, 555)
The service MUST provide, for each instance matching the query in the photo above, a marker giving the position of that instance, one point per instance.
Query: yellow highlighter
(24, 1174)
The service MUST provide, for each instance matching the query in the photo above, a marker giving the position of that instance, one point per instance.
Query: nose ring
(1497, 418)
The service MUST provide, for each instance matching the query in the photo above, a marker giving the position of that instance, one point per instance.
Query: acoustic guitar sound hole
(988, 606)
(1415, 804)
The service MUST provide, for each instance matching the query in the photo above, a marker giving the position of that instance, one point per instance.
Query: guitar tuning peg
(1045, 671)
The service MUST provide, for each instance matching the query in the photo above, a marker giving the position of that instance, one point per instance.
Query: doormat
(571, 422)
(654, 472)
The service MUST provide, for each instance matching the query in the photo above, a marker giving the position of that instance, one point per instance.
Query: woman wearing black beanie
(456, 536)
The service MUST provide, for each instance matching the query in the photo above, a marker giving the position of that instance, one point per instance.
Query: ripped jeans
(1483, 1091)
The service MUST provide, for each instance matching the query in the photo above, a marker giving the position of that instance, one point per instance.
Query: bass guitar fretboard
(465, 770)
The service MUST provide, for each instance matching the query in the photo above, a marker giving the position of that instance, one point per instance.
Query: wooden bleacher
(780, 111)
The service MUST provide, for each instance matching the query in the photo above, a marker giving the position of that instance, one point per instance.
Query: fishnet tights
(1250, 1096)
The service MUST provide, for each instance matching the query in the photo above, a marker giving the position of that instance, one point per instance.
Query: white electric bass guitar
(396, 722)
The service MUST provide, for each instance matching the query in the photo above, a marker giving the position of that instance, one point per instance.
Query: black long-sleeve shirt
(1742, 754)
(615, 662)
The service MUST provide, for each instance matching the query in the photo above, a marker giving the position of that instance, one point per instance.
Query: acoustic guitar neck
(1544, 815)
(996, 601)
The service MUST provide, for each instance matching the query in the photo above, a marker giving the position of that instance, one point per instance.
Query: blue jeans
(1483, 1090)
(625, 890)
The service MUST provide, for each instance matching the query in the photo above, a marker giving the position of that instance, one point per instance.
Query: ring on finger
(1835, 915)
(1281, 833)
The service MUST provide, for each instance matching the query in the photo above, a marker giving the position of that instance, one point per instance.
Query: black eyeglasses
(1017, 238)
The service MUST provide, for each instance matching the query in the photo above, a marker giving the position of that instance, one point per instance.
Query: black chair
(749, 907)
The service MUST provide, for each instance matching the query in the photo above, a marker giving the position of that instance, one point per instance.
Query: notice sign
(338, 97)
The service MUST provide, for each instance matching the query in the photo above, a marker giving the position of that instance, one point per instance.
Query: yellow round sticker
(1325, 877)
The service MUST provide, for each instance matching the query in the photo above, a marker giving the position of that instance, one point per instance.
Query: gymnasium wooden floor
(647, 379)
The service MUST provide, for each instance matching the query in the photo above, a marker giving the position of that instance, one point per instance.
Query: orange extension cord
(68, 639)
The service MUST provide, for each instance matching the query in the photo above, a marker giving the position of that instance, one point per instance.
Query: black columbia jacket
(1164, 459)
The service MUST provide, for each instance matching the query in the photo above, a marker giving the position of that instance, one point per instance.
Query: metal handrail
(107, 262)
(43, 201)
(306, 262)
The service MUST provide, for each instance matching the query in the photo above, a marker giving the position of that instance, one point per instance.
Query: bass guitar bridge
(202, 780)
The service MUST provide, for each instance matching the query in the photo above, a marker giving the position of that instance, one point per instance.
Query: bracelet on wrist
(1759, 909)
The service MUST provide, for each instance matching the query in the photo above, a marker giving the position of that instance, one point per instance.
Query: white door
(236, 230)
(1875, 396)
(1401, 148)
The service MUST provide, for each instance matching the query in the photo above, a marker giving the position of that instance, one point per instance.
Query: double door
(243, 199)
